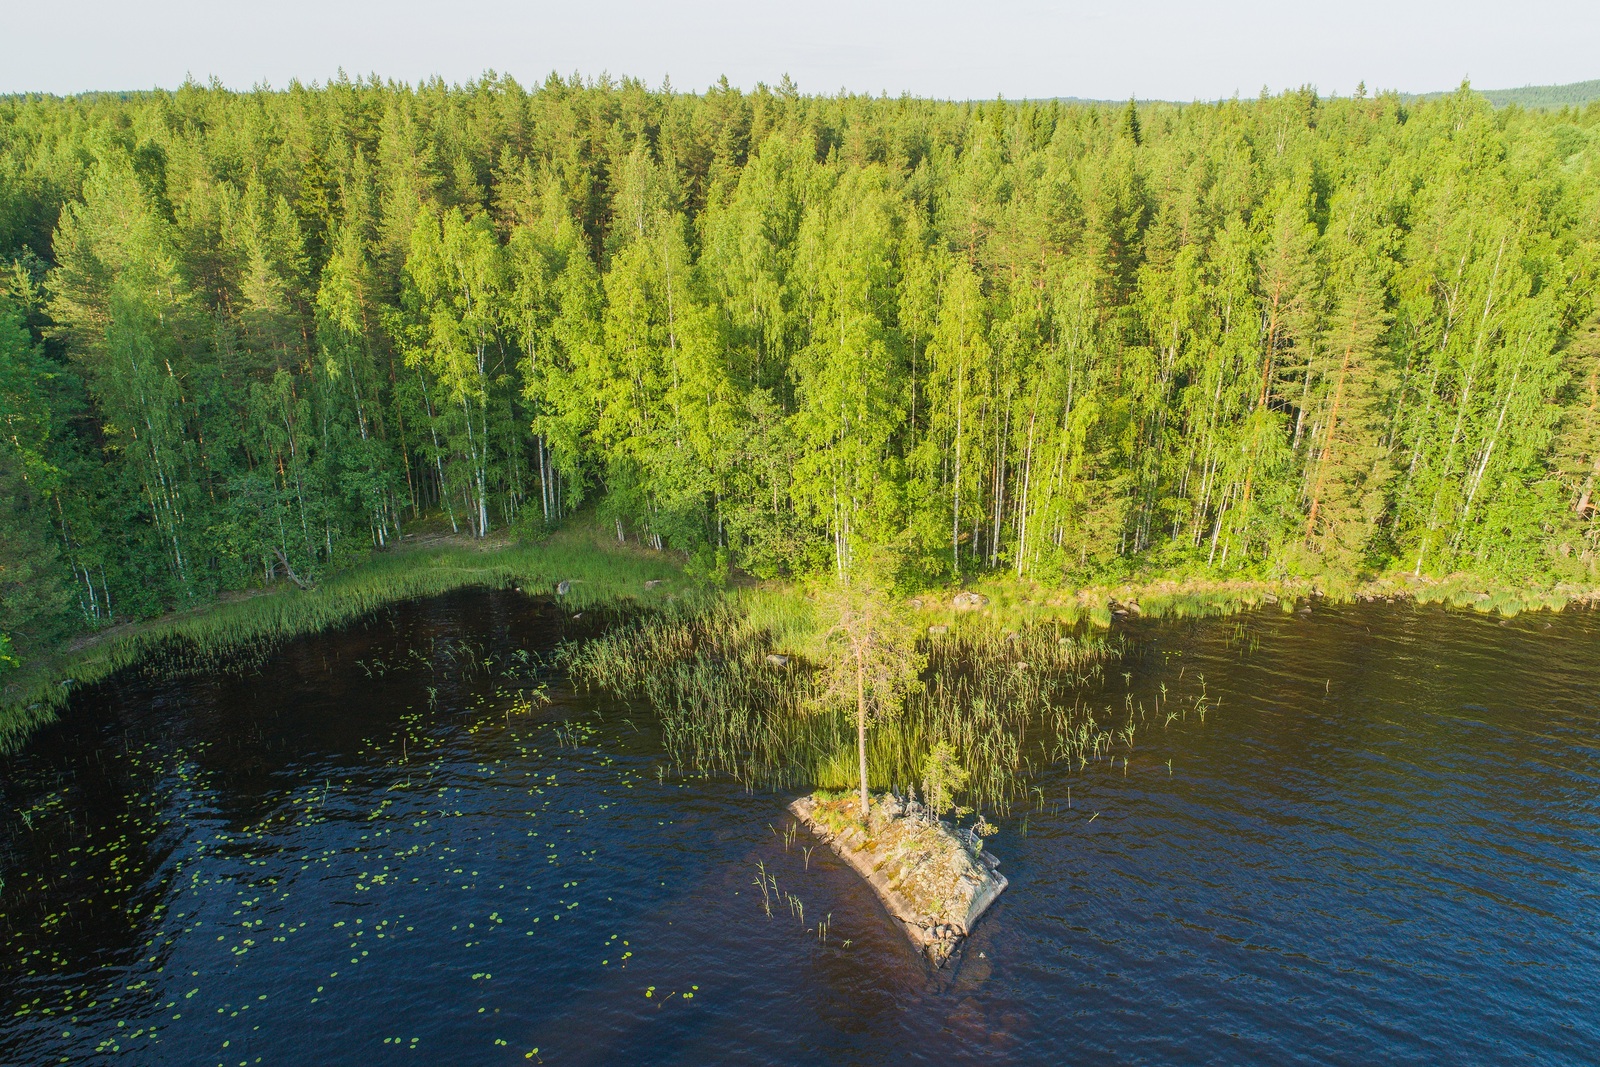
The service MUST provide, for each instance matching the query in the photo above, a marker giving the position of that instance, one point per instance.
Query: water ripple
(1379, 844)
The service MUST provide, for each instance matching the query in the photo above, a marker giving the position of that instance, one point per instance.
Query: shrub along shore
(716, 631)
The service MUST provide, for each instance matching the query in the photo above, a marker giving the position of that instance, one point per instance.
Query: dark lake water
(1378, 845)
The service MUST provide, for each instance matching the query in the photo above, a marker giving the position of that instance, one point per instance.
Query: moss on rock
(934, 881)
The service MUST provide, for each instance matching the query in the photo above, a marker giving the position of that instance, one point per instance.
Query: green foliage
(248, 338)
(943, 777)
(867, 657)
(708, 566)
(35, 601)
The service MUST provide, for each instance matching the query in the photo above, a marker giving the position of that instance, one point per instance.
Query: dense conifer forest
(247, 337)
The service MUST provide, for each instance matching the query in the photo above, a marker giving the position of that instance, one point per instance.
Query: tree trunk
(955, 515)
(861, 730)
(1588, 487)
(1328, 449)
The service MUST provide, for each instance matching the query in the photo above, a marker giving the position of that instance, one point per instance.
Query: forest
(1573, 94)
(250, 338)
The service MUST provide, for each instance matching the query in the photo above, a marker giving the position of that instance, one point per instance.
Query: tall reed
(725, 707)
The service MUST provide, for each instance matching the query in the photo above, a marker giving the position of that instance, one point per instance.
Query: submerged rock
(934, 881)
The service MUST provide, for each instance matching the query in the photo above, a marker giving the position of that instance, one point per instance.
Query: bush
(942, 776)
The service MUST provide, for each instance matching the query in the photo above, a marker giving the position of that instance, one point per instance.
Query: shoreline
(599, 573)
(1008, 601)
(604, 572)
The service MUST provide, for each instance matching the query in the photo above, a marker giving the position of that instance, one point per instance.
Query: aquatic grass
(725, 706)
(240, 633)
(1020, 603)
(1200, 603)
(1466, 591)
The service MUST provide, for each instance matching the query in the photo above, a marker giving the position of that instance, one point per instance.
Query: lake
(1378, 843)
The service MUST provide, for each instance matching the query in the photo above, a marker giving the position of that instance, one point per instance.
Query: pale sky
(1013, 48)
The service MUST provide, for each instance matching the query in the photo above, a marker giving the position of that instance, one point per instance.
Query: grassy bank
(999, 662)
(1013, 603)
(600, 570)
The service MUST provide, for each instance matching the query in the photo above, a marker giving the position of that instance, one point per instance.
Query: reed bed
(1464, 592)
(726, 707)
(1026, 603)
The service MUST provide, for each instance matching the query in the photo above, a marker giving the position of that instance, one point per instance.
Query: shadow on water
(1368, 833)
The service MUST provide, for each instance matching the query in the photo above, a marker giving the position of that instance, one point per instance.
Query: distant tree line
(1570, 95)
(248, 337)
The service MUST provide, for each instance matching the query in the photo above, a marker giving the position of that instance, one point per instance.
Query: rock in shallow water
(932, 882)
